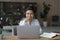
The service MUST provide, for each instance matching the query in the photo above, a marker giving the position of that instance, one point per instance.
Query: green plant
(46, 9)
(11, 21)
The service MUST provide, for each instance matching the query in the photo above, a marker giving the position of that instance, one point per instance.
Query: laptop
(28, 32)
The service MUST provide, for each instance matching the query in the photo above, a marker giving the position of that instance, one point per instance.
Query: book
(57, 33)
(48, 35)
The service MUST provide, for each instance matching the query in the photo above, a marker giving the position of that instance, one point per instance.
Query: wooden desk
(15, 38)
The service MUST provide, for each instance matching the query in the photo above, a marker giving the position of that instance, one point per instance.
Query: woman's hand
(28, 20)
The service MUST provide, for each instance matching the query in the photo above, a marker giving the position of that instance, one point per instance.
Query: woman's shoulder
(36, 20)
(22, 22)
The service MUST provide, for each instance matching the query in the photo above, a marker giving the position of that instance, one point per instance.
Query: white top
(34, 22)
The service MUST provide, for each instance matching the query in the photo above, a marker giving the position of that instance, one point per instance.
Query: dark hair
(33, 9)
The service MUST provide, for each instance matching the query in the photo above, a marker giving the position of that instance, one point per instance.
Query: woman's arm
(37, 22)
(22, 22)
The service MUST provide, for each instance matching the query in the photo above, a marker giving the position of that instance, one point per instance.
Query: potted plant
(46, 9)
(11, 21)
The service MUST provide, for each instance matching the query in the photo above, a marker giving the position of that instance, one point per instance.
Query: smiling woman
(30, 14)
(30, 19)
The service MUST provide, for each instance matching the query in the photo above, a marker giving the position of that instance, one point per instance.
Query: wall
(55, 10)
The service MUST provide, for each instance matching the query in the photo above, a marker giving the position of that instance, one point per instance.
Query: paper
(48, 35)
(56, 33)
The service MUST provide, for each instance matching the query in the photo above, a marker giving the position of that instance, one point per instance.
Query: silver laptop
(28, 32)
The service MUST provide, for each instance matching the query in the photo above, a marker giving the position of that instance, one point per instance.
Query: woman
(29, 19)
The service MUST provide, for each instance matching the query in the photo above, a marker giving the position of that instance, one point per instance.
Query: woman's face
(29, 14)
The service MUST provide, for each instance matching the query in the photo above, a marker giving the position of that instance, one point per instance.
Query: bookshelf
(12, 12)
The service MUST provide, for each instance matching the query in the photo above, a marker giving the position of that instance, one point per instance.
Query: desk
(15, 38)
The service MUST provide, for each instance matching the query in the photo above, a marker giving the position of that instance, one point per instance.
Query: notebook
(48, 35)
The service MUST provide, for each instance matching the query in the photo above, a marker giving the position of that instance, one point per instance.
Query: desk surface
(15, 38)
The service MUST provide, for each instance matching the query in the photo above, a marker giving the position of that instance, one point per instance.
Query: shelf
(12, 12)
